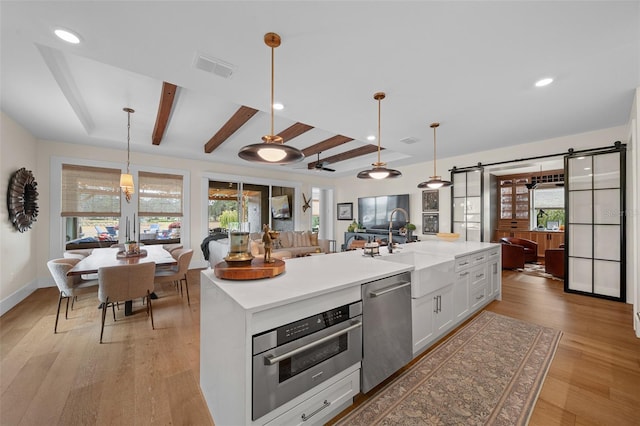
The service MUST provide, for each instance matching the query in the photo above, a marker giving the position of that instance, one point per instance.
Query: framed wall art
(430, 223)
(430, 200)
(345, 211)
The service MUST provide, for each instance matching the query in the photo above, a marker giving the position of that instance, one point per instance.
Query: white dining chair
(67, 285)
(122, 283)
(178, 273)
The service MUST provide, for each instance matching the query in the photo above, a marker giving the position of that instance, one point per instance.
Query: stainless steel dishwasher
(386, 328)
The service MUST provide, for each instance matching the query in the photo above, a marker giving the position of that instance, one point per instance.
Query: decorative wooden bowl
(448, 236)
(258, 269)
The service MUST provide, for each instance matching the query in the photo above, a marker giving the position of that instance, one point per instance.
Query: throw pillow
(285, 240)
(313, 237)
(257, 247)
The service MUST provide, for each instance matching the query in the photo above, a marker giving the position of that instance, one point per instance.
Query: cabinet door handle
(324, 405)
(435, 300)
(270, 359)
(480, 297)
(387, 290)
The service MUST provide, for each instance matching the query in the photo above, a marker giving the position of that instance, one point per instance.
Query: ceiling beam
(242, 115)
(326, 145)
(164, 111)
(363, 150)
(294, 131)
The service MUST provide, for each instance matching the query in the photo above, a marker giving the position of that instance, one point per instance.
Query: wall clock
(22, 199)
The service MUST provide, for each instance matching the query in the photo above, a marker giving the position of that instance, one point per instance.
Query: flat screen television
(280, 207)
(373, 212)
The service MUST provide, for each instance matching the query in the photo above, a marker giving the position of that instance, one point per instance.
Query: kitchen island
(232, 312)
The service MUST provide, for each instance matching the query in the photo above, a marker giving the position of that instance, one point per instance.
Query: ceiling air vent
(409, 140)
(214, 65)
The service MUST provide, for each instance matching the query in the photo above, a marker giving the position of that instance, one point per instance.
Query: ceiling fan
(322, 165)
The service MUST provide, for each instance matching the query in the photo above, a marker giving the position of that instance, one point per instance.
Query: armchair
(530, 247)
(554, 262)
(512, 256)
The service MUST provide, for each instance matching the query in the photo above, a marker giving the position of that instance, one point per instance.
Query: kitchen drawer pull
(390, 289)
(464, 274)
(270, 359)
(464, 263)
(480, 276)
(480, 258)
(480, 297)
(324, 405)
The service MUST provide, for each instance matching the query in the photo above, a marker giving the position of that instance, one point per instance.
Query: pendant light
(272, 150)
(379, 171)
(126, 179)
(435, 181)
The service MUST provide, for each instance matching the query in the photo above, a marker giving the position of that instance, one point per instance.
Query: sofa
(289, 244)
(530, 247)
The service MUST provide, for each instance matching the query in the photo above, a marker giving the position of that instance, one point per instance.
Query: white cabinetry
(323, 406)
(445, 299)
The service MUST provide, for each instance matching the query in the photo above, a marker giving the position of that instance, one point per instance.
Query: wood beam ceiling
(242, 115)
(357, 152)
(326, 145)
(164, 111)
(294, 131)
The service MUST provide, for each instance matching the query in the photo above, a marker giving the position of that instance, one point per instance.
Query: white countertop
(310, 276)
(306, 277)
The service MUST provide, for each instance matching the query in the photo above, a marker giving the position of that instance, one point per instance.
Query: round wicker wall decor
(22, 199)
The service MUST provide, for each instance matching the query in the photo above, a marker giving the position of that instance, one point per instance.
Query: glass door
(467, 204)
(595, 234)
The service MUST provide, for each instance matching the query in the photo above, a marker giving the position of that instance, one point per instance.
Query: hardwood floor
(143, 376)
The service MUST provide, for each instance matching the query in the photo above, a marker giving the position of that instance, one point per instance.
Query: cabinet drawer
(322, 406)
(478, 296)
(462, 262)
(494, 252)
(480, 257)
(478, 276)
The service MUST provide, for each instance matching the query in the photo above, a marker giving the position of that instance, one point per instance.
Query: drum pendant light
(126, 179)
(379, 171)
(435, 181)
(272, 150)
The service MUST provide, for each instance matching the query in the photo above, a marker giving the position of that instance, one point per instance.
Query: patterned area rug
(538, 270)
(489, 372)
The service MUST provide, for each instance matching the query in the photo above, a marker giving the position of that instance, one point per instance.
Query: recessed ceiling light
(67, 36)
(544, 82)
(371, 138)
(278, 106)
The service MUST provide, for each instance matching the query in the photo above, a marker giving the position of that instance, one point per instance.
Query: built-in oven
(293, 358)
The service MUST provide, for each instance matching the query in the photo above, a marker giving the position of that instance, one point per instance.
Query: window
(160, 207)
(548, 208)
(90, 205)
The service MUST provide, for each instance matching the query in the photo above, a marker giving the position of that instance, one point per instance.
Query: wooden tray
(124, 255)
(257, 270)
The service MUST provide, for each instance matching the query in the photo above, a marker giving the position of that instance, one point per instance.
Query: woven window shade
(90, 191)
(159, 194)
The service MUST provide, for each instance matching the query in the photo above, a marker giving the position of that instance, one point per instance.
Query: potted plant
(410, 228)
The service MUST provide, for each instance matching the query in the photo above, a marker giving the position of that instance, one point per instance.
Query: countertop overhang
(311, 276)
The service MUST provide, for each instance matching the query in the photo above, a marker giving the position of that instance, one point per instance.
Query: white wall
(18, 251)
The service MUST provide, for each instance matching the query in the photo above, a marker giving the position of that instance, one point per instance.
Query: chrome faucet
(406, 216)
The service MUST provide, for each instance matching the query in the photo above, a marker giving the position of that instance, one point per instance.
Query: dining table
(115, 256)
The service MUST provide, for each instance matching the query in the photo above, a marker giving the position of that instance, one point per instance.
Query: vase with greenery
(410, 228)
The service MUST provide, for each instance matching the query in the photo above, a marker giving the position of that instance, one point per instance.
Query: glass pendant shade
(435, 181)
(126, 179)
(272, 150)
(379, 171)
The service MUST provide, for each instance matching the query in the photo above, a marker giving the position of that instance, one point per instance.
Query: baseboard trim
(18, 296)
